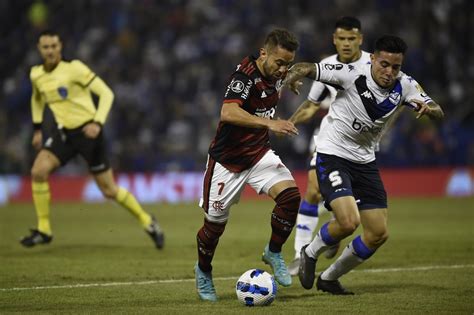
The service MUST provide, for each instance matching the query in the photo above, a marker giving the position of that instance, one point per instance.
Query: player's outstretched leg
(306, 223)
(355, 253)
(283, 219)
(204, 284)
(310, 254)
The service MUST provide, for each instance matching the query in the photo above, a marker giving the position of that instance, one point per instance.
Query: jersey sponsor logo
(394, 97)
(263, 94)
(246, 92)
(367, 94)
(361, 127)
(265, 113)
(350, 67)
(62, 91)
(237, 86)
(333, 66)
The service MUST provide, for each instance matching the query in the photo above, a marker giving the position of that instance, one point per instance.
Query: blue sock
(328, 239)
(308, 209)
(360, 249)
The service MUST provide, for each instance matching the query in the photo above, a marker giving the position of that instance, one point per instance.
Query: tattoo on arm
(301, 70)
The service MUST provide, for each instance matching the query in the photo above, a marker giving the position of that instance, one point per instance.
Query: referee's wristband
(37, 126)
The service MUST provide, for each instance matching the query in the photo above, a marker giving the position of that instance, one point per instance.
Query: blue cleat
(204, 285)
(275, 260)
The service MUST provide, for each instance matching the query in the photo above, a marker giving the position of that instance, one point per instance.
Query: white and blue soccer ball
(256, 287)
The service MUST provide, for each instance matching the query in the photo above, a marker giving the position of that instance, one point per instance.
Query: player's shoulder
(364, 58)
(77, 65)
(406, 79)
(330, 59)
(36, 71)
(247, 67)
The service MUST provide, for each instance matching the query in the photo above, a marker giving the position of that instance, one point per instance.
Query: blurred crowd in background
(168, 63)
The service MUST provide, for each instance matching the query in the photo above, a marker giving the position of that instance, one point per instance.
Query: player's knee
(348, 226)
(38, 173)
(289, 200)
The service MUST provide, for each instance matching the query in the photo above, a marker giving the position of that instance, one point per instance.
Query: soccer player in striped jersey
(368, 97)
(66, 88)
(347, 38)
(240, 154)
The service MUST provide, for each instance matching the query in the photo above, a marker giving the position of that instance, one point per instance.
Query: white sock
(316, 247)
(305, 226)
(345, 263)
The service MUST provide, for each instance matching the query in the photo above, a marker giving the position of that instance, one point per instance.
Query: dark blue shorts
(339, 177)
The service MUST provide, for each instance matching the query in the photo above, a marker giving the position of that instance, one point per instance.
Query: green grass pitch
(101, 261)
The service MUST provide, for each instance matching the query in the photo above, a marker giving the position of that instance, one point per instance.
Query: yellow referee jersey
(67, 91)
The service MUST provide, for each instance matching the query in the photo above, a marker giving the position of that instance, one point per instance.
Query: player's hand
(37, 140)
(294, 86)
(283, 127)
(421, 108)
(91, 130)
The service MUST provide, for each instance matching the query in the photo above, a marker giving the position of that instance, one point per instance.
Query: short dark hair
(282, 37)
(48, 32)
(391, 44)
(348, 23)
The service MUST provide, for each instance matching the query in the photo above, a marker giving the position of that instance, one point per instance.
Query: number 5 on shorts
(335, 178)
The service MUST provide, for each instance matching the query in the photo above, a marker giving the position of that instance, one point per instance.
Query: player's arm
(106, 97)
(297, 72)
(421, 102)
(37, 109)
(431, 109)
(232, 113)
(311, 105)
(305, 112)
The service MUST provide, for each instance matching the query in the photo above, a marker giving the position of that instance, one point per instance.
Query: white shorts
(222, 188)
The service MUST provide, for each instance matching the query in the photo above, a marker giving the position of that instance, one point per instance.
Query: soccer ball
(256, 287)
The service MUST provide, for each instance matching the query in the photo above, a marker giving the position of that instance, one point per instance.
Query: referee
(66, 88)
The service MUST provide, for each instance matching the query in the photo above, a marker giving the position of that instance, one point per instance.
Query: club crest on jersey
(394, 97)
(62, 91)
(237, 86)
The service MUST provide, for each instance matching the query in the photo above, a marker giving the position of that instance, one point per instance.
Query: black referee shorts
(339, 177)
(67, 143)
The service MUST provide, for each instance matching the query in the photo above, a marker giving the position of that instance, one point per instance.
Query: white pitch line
(113, 284)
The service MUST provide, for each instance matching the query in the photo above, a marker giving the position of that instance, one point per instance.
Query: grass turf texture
(104, 248)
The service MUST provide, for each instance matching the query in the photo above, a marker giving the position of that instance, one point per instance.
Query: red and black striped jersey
(239, 148)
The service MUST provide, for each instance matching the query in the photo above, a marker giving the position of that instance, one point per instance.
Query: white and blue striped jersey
(361, 110)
